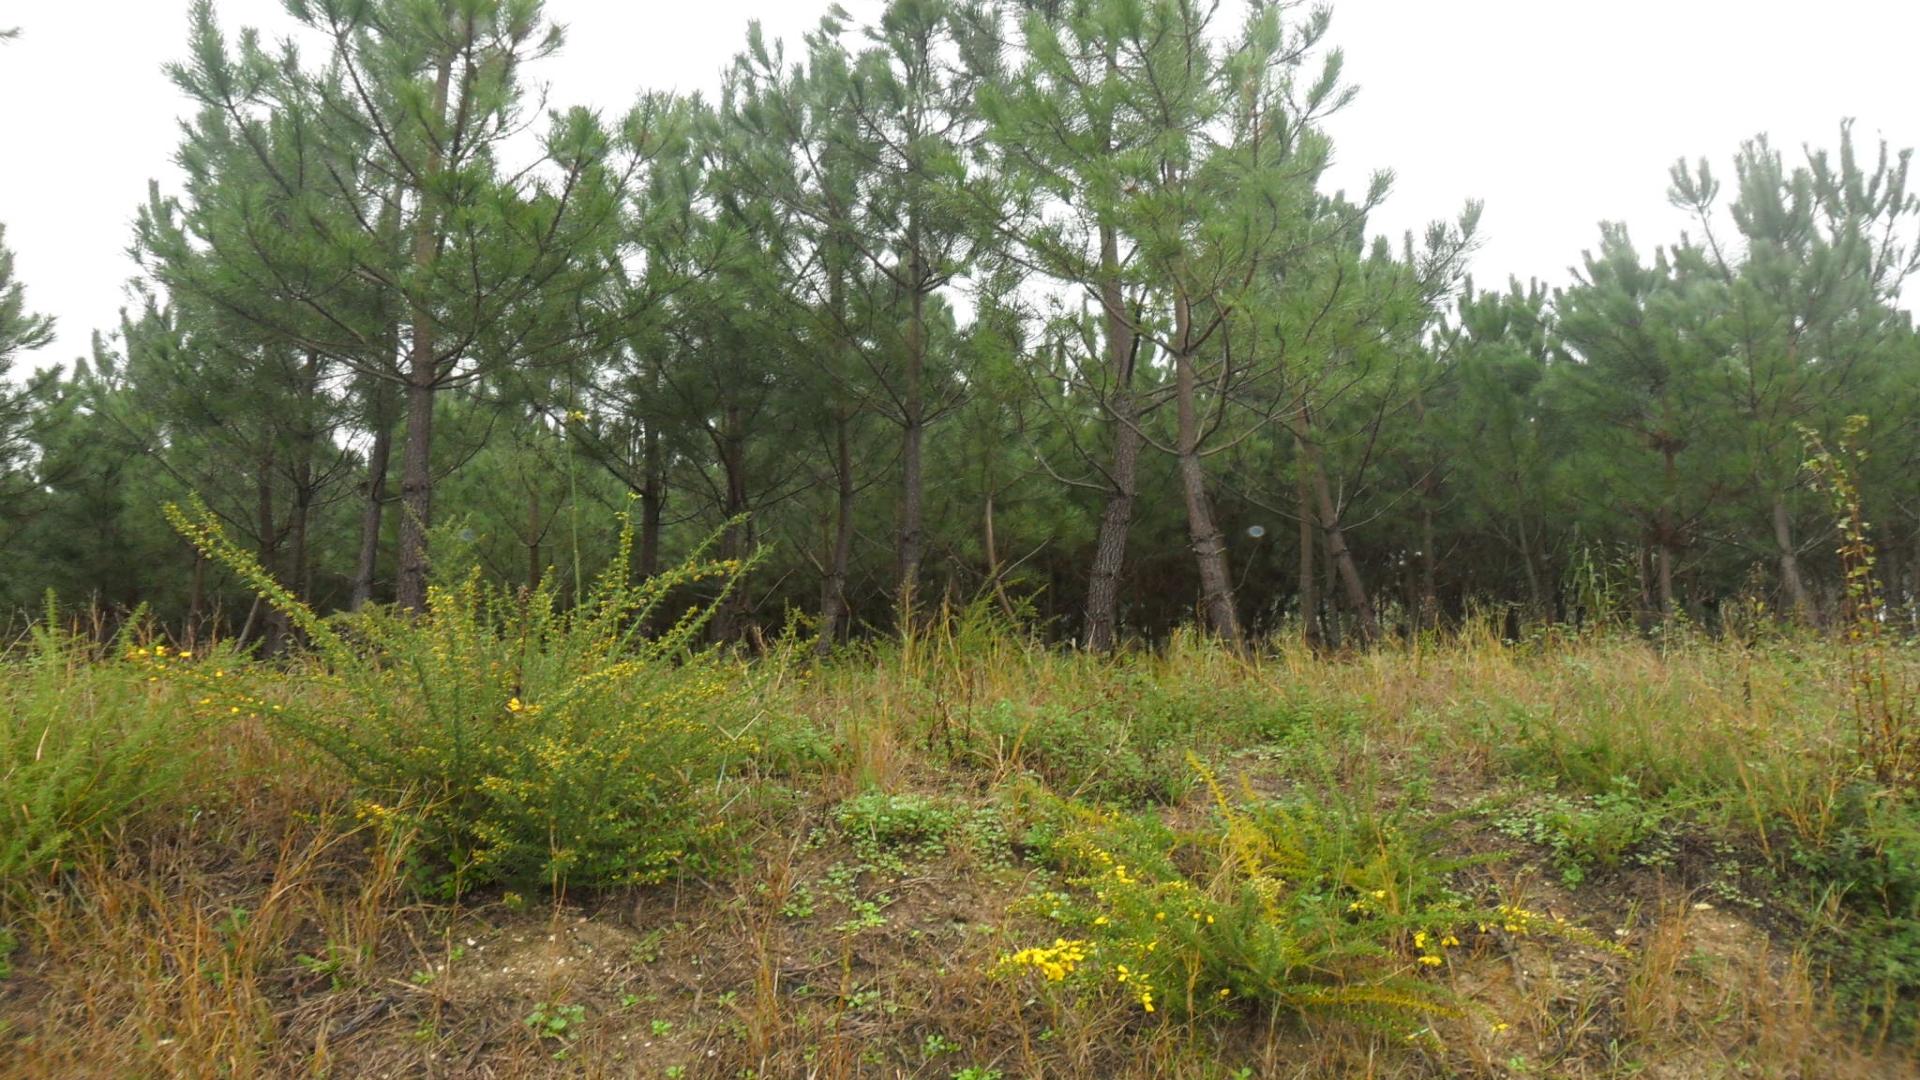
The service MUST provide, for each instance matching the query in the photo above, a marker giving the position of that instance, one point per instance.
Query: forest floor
(1685, 874)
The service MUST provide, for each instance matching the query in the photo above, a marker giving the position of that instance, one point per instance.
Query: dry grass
(247, 925)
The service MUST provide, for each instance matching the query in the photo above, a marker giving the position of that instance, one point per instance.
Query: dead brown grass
(252, 928)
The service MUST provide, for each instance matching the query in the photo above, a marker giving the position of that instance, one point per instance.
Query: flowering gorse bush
(82, 745)
(1322, 903)
(524, 741)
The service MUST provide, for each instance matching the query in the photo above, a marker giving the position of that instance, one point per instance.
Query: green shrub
(1866, 879)
(917, 822)
(1309, 903)
(1107, 752)
(82, 744)
(522, 740)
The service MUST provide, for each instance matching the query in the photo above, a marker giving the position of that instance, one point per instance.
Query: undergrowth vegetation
(519, 739)
(1574, 855)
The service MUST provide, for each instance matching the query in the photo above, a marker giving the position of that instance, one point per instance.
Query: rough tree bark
(833, 584)
(1110, 547)
(379, 455)
(1203, 532)
(1790, 579)
(1309, 601)
(423, 379)
(1338, 552)
(913, 409)
(652, 500)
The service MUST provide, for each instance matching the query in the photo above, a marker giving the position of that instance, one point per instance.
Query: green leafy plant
(911, 825)
(1886, 706)
(83, 742)
(550, 1020)
(1591, 832)
(525, 740)
(1321, 902)
(1864, 886)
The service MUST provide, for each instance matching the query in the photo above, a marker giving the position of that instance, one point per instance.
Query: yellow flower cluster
(1433, 949)
(219, 695)
(1520, 921)
(1366, 904)
(1133, 919)
(1056, 962)
(1136, 982)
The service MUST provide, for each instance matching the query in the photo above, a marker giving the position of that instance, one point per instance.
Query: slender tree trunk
(1663, 555)
(534, 569)
(1529, 567)
(196, 600)
(993, 556)
(299, 526)
(1203, 532)
(366, 566)
(653, 485)
(270, 553)
(1335, 630)
(1116, 519)
(1309, 603)
(1790, 579)
(833, 586)
(1337, 550)
(1429, 572)
(380, 416)
(423, 379)
(416, 483)
(913, 434)
(737, 542)
(1645, 616)
(300, 562)
(307, 438)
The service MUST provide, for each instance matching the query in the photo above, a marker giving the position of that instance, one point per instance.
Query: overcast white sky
(1558, 113)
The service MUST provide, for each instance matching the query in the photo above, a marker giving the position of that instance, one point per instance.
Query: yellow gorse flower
(1056, 962)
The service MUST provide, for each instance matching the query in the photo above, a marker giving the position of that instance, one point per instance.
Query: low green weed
(1864, 885)
(1594, 832)
(1321, 902)
(83, 742)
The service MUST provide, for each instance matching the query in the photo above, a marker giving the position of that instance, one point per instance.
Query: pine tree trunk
(1536, 594)
(534, 569)
(833, 587)
(300, 572)
(913, 434)
(367, 565)
(1663, 556)
(1331, 626)
(416, 480)
(652, 500)
(196, 599)
(276, 624)
(737, 541)
(423, 379)
(1790, 579)
(1664, 561)
(1203, 533)
(992, 547)
(1337, 550)
(1429, 573)
(1309, 603)
(1116, 519)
